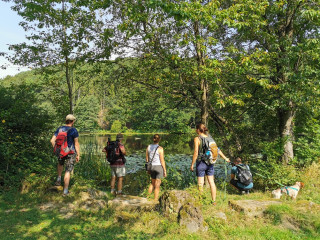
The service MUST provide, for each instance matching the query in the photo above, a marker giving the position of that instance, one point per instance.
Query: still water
(134, 144)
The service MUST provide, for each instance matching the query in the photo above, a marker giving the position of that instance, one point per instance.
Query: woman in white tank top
(155, 154)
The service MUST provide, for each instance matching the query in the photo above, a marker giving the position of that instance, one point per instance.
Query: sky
(10, 33)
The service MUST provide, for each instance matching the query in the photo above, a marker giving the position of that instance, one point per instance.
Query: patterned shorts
(68, 161)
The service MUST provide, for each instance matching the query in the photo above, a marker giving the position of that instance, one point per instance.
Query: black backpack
(244, 175)
(113, 151)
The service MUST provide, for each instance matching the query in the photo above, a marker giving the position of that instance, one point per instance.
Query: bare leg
(113, 182)
(206, 182)
(200, 184)
(66, 180)
(60, 169)
(212, 187)
(151, 188)
(157, 188)
(120, 179)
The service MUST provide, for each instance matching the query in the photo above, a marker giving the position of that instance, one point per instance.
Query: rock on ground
(131, 203)
(252, 208)
(221, 215)
(191, 217)
(172, 201)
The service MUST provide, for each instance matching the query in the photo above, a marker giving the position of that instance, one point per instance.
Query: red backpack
(61, 148)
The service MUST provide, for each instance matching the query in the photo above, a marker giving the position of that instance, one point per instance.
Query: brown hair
(237, 160)
(156, 138)
(202, 128)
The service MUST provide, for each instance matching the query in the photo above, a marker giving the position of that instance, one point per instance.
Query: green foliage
(310, 176)
(307, 145)
(116, 126)
(269, 174)
(256, 78)
(86, 112)
(179, 174)
(24, 128)
(92, 167)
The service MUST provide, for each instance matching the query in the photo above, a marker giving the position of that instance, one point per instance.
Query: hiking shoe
(65, 194)
(243, 192)
(214, 203)
(57, 183)
(247, 191)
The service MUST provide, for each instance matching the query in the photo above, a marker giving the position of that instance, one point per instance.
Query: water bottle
(208, 153)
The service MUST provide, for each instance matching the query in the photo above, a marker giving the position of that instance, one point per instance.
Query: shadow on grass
(32, 223)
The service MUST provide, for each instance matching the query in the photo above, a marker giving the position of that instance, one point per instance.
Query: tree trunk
(70, 94)
(67, 70)
(286, 118)
(204, 102)
(204, 86)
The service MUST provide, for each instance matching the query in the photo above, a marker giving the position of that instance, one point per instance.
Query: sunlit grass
(24, 220)
(21, 217)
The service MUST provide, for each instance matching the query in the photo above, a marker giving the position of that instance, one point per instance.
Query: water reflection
(172, 143)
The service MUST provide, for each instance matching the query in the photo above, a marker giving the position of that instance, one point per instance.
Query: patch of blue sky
(11, 33)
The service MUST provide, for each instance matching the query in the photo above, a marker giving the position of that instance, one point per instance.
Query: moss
(125, 217)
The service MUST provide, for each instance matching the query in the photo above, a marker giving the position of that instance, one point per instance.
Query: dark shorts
(203, 169)
(68, 161)
(156, 172)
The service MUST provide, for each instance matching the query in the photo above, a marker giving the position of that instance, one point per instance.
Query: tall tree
(66, 33)
(175, 42)
(277, 46)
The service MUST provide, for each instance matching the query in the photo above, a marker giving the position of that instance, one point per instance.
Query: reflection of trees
(172, 143)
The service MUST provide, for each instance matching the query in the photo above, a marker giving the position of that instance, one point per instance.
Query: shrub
(116, 126)
(269, 171)
(23, 134)
(87, 116)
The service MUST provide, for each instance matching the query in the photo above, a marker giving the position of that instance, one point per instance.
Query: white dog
(292, 191)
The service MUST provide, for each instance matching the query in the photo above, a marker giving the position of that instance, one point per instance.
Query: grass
(22, 218)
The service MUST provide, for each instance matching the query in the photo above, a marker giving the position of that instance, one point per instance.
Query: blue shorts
(203, 169)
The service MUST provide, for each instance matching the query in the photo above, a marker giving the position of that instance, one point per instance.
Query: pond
(178, 149)
(172, 143)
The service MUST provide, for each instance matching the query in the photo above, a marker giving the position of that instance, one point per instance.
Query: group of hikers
(66, 147)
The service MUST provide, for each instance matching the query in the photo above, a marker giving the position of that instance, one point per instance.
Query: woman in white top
(155, 154)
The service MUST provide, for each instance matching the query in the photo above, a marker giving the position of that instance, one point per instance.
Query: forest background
(247, 69)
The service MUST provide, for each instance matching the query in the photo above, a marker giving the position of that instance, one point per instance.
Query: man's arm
(77, 147)
(53, 140)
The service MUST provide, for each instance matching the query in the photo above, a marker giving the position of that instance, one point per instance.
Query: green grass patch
(22, 218)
